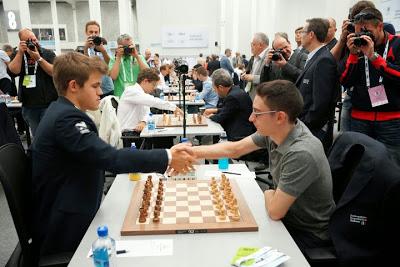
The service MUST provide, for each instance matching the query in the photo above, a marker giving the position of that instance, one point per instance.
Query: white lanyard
(26, 66)
(367, 80)
(124, 71)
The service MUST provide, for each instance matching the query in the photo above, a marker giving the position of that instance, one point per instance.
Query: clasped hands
(183, 158)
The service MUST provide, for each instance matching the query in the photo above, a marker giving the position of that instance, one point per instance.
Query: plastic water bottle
(162, 95)
(103, 248)
(223, 163)
(134, 176)
(151, 124)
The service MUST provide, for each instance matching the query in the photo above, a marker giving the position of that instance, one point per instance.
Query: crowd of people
(282, 99)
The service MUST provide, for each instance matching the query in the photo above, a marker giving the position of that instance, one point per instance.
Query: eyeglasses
(256, 114)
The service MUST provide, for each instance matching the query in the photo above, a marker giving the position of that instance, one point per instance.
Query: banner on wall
(391, 12)
(178, 37)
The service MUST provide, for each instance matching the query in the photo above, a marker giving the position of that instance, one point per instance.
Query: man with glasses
(282, 62)
(136, 101)
(302, 194)
(373, 71)
(318, 83)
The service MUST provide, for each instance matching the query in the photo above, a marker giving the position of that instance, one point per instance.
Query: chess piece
(142, 219)
(156, 219)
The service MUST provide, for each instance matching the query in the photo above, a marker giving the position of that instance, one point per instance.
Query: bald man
(286, 64)
(330, 40)
(34, 65)
(149, 58)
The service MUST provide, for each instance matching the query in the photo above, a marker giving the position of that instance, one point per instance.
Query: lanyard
(26, 66)
(124, 71)
(367, 80)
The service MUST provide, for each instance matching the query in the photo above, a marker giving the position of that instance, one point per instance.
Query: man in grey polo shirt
(302, 197)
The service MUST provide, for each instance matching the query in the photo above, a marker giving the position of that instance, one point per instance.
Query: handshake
(183, 158)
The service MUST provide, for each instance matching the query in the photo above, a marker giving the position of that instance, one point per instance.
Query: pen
(122, 251)
(234, 173)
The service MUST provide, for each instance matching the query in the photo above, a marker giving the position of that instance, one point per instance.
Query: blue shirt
(208, 94)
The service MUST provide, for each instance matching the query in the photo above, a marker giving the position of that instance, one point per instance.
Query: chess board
(170, 97)
(187, 207)
(170, 120)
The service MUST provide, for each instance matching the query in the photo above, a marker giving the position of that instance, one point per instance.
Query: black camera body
(358, 41)
(97, 40)
(350, 27)
(128, 50)
(30, 44)
(276, 55)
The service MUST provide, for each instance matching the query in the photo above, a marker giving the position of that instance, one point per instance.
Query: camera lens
(127, 50)
(351, 28)
(276, 56)
(97, 40)
(30, 44)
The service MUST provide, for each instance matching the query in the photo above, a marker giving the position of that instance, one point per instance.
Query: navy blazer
(234, 114)
(319, 86)
(365, 224)
(68, 162)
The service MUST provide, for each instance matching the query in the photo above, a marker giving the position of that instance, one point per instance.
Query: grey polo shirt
(300, 168)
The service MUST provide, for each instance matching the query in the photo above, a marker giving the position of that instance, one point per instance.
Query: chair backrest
(15, 176)
(367, 188)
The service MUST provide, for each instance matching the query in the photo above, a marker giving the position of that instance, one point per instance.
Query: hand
(178, 111)
(268, 59)
(100, 48)
(368, 49)
(248, 77)
(119, 52)
(281, 62)
(22, 47)
(88, 42)
(183, 158)
(140, 126)
(134, 51)
(345, 32)
(208, 112)
(350, 44)
(33, 53)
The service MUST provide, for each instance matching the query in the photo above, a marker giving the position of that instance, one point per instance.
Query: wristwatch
(40, 59)
(374, 57)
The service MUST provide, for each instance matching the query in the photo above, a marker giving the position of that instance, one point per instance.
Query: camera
(30, 44)
(97, 40)
(350, 27)
(358, 41)
(276, 55)
(128, 50)
(181, 66)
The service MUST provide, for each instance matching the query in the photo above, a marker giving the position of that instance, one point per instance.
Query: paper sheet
(143, 248)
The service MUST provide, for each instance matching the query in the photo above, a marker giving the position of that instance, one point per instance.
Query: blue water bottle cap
(184, 140)
(133, 145)
(102, 231)
(150, 114)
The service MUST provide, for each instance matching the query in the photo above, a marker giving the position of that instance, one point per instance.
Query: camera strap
(367, 79)
(124, 71)
(26, 66)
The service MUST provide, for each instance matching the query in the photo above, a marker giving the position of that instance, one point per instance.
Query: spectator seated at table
(136, 101)
(235, 109)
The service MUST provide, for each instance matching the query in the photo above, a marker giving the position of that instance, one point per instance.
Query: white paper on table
(143, 248)
(217, 174)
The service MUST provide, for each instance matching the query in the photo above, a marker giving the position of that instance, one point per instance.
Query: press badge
(377, 95)
(29, 81)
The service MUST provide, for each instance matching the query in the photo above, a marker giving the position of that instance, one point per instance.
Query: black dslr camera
(276, 55)
(97, 40)
(30, 44)
(358, 41)
(128, 50)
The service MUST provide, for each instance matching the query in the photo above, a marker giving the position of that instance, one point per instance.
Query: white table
(197, 250)
(212, 128)
(14, 104)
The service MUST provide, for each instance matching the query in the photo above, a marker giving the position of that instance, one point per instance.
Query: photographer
(282, 62)
(34, 65)
(373, 70)
(95, 46)
(126, 65)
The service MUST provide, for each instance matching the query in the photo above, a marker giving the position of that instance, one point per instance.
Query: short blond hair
(75, 66)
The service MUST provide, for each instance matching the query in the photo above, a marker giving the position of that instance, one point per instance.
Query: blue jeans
(33, 116)
(386, 132)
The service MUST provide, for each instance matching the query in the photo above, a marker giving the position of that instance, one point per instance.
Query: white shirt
(134, 106)
(4, 58)
(312, 53)
(257, 66)
(162, 85)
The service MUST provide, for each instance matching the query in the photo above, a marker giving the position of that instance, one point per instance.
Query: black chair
(15, 176)
(366, 189)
